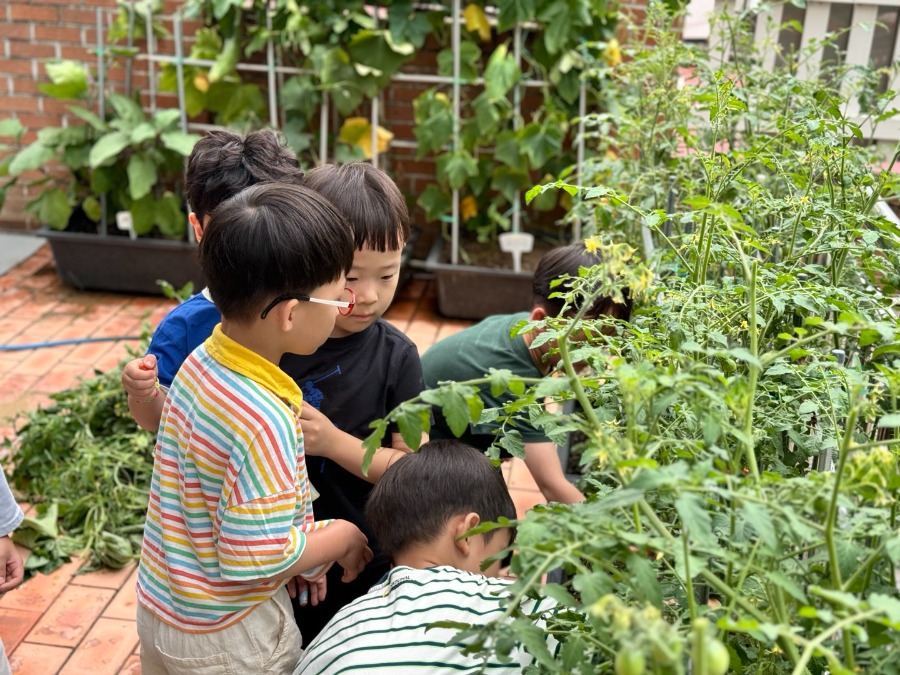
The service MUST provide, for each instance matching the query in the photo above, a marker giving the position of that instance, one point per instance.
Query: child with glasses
(422, 511)
(362, 372)
(221, 164)
(230, 514)
(469, 354)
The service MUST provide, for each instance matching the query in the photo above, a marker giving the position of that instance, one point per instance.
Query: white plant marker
(516, 243)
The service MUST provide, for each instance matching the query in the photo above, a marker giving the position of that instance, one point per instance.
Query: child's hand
(308, 591)
(12, 570)
(139, 377)
(358, 552)
(317, 431)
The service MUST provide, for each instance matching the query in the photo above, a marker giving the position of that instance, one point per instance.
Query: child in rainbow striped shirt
(230, 516)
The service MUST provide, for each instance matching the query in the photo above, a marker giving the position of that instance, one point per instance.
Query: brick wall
(33, 31)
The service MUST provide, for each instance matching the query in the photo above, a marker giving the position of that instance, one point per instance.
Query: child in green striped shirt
(420, 511)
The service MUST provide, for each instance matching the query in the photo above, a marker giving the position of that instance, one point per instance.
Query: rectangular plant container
(470, 292)
(123, 265)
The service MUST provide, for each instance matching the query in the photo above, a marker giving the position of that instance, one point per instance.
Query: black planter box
(120, 264)
(470, 292)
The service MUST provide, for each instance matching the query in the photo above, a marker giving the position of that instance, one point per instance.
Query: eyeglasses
(345, 307)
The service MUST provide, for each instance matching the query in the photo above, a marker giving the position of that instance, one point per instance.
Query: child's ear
(538, 314)
(198, 228)
(286, 315)
(463, 524)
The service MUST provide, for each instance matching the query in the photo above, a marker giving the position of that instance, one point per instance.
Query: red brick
(39, 592)
(52, 106)
(15, 624)
(79, 53)
(28, 12)
(85, 17)
(15, 31)
(25, 85)
(36, 659)
(57, 34)
(63, 376)
(34, 50)
(104, 649)
(40, 361)
(71, 616)
(16, 66)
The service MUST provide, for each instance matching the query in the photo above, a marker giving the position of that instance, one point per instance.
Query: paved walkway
(71, 623)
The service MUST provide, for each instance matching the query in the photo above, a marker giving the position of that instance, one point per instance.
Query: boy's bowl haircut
(422, 491)
(269, 240)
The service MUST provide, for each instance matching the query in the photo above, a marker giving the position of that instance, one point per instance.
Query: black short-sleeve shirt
(353, 380)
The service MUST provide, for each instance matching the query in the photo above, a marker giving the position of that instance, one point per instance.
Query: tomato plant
(742, 426)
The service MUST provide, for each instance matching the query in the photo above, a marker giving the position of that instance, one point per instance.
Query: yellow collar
(253, 366)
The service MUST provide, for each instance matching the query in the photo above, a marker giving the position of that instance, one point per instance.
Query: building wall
(34, 31)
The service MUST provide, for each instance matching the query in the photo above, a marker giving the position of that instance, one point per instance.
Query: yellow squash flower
(357, 131)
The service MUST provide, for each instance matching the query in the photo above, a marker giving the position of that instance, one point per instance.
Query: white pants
(266, 641)
(4, 662)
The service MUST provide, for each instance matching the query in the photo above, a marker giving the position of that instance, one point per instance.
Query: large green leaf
(89, 117)
(30, 157)
(108, 147)
(434, 122)
(170, 218)
(457, 168)
(142, 132)
(502, 73)
(541, 142)
(434, 201)
(52, 207)
(11, 127)
(408, 23)
(127, 110)
(377, 51)
(469, 61)
(226, 60)
(68, 79)
(513, 12)
(141, 175)
(179, 141)
(143, 215)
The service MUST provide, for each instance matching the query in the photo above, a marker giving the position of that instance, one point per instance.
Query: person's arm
(12, 569)
(322, 439)
(145, 398)
(340, 541)
(542, 461)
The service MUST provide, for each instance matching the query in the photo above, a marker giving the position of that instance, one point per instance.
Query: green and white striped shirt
(384, 631)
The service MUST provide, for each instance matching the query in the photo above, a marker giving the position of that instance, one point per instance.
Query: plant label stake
(516, 243)
(125, 222)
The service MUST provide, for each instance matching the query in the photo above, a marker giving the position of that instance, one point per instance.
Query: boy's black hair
(422, 491)
(271, 239)
(369, 200)
(223, 163)
(565, 260)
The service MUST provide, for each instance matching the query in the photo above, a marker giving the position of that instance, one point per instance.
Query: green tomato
(717, 658)
(630, 662)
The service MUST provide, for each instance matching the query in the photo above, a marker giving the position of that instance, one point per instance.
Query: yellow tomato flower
(612, 54)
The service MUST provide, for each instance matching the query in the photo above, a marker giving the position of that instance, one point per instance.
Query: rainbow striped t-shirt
(229, 499)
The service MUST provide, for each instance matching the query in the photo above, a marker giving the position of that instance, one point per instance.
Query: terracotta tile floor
(71, 623)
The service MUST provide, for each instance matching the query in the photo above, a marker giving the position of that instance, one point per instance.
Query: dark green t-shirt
(470, 354)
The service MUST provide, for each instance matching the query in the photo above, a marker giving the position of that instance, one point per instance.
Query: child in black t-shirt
(362, 372)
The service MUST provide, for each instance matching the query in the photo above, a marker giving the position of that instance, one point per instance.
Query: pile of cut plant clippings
(85, 466)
